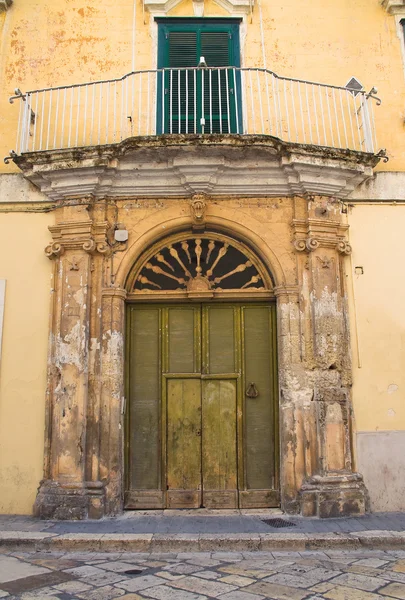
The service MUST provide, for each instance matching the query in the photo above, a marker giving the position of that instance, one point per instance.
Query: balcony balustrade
(202, 100)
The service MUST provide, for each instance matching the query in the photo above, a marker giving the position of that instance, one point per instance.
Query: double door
(201, 426)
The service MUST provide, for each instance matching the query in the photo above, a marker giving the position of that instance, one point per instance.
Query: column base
(333, 496)
(70, 502)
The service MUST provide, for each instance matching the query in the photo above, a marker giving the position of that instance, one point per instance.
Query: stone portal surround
(84, 449)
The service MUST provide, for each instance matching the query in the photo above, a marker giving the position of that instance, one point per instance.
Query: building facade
(216, 320)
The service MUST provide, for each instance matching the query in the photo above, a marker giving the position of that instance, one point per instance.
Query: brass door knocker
(252, 391)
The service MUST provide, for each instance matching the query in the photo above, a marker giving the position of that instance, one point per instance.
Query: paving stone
(199, 586)
(140, 582)
(276, 591)
(228, 556)
(11, 569)
(397, 590)
(238, 595)
(84, 571)
(56, 564)
(304, 580)
(322, 587)
(182, 569)
(257, 573)
(371, 562)
(34, 582)
(203, 562)
(399, 566)
(44, 594)
(347, 593)
(237, 580)
(73, 587)
(106, 578)
(169, 576)
(361, 582)
(208, 575)
(120, 566)
(164, 592)
(102, 593)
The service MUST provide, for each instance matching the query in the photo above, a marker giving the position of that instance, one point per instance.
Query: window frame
(166, 25)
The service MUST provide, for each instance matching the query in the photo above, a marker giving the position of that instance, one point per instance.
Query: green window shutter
(215, 47)
(182, 49)
(187, 97)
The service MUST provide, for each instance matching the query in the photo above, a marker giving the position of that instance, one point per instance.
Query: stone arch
(244, 234)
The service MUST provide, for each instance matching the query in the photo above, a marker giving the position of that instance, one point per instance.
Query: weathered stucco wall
(23, 362)
(353, 39)
(377, 316)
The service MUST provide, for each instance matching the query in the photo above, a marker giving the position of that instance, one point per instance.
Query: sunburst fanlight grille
(200, 264)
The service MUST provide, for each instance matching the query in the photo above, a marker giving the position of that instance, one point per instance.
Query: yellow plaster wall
(71, 41)
(24, 357)
(376, 235)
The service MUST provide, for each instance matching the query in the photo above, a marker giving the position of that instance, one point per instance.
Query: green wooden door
(196, 434)
(203, 100)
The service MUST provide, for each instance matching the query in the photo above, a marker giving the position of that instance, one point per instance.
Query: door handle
(252, 391)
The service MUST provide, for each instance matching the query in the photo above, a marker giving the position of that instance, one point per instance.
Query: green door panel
(144, 390)
(183, 443)
(259, 411)
(221, 340)
(182, 326)
(219, 454)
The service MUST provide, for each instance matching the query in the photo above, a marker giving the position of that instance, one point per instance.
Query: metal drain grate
(278, 523)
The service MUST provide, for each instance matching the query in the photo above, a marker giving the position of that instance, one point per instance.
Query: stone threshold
(42, 541)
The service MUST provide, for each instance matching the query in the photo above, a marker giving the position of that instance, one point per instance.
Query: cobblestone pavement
(316, 575)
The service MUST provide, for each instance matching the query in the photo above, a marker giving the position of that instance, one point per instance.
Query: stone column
(330, 487)
(64, 492)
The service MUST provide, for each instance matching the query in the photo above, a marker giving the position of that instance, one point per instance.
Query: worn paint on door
(211, 443)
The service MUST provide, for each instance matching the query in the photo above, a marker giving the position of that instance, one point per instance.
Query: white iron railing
(212, 100)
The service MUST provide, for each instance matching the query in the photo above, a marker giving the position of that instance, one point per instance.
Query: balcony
(233, 107)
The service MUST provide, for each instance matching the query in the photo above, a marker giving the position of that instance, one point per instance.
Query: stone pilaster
(329, 487)
(112, 396)
(67, 491)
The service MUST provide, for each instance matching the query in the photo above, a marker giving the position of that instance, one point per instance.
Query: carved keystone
(198, 207)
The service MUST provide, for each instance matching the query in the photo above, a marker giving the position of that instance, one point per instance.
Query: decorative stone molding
(54, 250)
(313, 233)
(92, 247)
(307, 245)
(394, 7)
(344, 247)
(234, 7)
(237, 7)
(173, 166)
(198, 207)
(5, 5)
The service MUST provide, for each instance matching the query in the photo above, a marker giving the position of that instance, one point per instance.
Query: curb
(117, 542)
